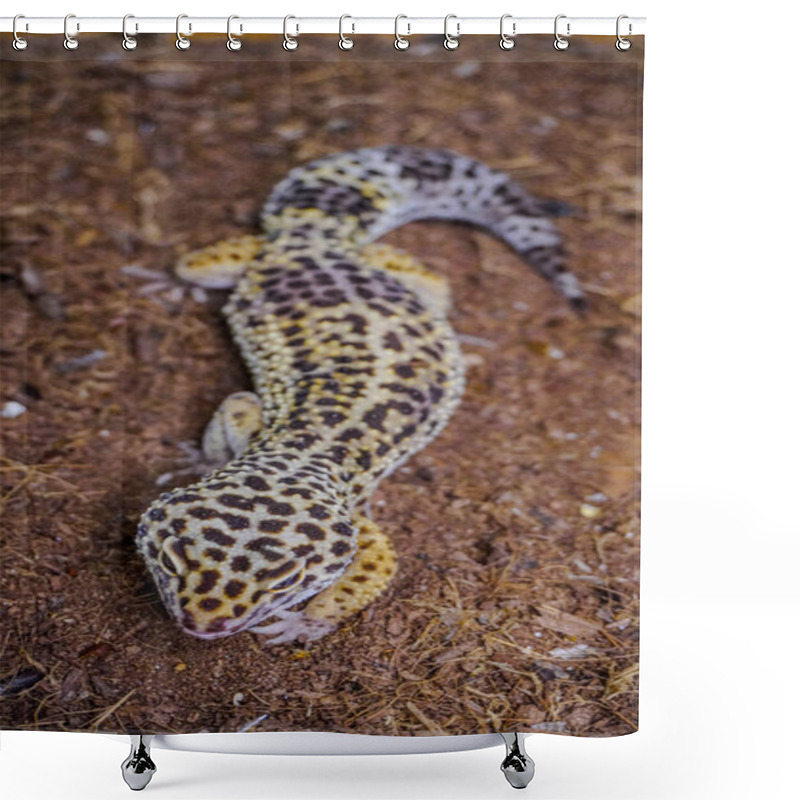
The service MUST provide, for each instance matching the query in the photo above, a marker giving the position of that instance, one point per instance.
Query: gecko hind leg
(366, 577)
(220, 265)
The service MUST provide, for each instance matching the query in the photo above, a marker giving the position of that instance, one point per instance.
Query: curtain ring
(70, 42)
(623, 44)
(560, 42)
(450, 41)
(129, 42)
(400, 42)
(507, 40)
(289, 42)
(234, 43)
(181, 42)
(19, 43)
(345, 42)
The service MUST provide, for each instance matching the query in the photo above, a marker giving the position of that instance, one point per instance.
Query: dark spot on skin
(274, 507)
(208, 581)
(349, 434)
(157, 514)
(235, 521)
(318, 512)
(272, 525)
(210, 603)
(381, 309)
(375, 417)
(238, 610)
(333, 418)
(240, 564)
(185, 497)
(215, 555)
(359, 578)
(202, 512)
(369, 567)
(340, 548)
(178, 525)
(342, 528)
(152, 550)
(234, 588)
(218, 537)
(404, 370)
(404, 433)
(392, 341)
(358, 322)
(338, 454)
(254, 482)
(314, 532)
(236, 501)
(364, 460)
(303, 550)
(306, 494)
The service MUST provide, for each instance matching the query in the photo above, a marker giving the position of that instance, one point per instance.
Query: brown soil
(515, 605)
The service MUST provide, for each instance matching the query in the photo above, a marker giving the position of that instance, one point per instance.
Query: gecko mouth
(224, 626)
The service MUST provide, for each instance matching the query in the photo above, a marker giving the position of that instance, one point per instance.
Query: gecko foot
(292, 625)
(192, 461)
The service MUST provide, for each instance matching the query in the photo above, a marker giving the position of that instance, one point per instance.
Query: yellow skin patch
(355, 368)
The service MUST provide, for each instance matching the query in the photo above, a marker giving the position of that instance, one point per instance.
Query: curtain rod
(294, 26)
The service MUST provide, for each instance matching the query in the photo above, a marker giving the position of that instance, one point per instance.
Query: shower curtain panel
(320, 399)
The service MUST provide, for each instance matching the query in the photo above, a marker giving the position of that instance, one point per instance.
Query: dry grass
(515, 606)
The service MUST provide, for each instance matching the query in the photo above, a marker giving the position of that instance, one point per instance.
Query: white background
(719, 699)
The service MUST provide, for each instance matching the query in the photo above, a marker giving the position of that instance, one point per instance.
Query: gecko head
(226, 561)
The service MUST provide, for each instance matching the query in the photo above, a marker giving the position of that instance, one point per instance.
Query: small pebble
(589, 511)
(98, 136)
(12, 409)
(238, 699)
(597, 497)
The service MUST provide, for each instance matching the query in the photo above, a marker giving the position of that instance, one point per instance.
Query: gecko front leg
(366, 577)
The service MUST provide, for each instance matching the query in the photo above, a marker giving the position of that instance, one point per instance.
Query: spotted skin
(355, 368)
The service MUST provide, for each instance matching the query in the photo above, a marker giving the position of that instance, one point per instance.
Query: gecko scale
(355, 368)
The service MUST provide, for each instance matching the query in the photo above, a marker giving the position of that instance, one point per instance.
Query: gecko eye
(292, 580)
(170, 555)
(167, 564)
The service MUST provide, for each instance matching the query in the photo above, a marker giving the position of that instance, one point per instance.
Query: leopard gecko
(355, 368)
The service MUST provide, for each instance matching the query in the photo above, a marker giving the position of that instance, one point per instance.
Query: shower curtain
(435, 531)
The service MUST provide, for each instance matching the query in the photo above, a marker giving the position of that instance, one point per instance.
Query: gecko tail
(386, 187)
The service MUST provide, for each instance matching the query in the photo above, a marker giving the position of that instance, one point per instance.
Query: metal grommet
(560, 42)
(182, 43)
(70, 42)
(289, 42)
(623, 44)
(506, 40)
(234, 43)
(129, 42)
(345, 42)
(400, 42)
(450, 41)
(19, 43)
